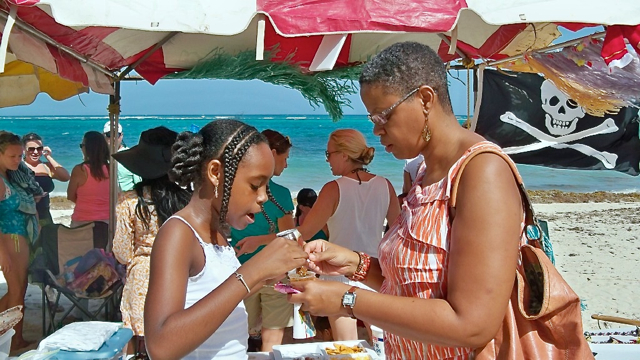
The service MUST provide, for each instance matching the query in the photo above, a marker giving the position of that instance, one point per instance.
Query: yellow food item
(302, 271)
(344, 349)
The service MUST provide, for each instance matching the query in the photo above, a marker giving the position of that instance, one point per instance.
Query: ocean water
(309, 135)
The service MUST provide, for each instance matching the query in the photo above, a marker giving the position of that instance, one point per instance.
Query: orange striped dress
(414, 256)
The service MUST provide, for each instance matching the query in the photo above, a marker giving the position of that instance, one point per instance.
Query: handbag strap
(533, 231)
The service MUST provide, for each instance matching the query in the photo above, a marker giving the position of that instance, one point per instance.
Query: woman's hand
(46, 151)
(248, 245)
(321, 298)
(331, 259)
(277, 258)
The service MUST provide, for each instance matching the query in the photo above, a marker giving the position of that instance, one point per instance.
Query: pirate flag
(537, 124)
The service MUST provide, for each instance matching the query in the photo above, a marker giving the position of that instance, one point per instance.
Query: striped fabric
(414, 255)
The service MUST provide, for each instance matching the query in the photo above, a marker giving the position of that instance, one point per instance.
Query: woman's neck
(32, 163)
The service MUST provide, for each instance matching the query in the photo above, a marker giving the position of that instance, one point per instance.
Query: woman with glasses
(45, 172)
(446, 270)
(89, 184)
(354, 208)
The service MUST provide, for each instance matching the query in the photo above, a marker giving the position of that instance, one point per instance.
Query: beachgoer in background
(196, 282)
(89, 184)
(305, 199)
(45, 172)
(354, 208)
(140, 213)
(448, 272)
(269, 311)
(126, 179)
(18, 230)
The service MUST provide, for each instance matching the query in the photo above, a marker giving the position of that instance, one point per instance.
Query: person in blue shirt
(274, 309)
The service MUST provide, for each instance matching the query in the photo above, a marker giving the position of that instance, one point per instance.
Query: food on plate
(341, 351)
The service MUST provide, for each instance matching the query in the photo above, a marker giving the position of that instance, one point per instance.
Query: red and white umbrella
(89, 41)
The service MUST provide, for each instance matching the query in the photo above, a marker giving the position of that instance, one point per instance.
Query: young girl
(194, 304)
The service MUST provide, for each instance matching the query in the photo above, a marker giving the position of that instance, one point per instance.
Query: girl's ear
(214, 172)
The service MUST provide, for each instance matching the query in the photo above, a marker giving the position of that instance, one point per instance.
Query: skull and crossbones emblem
(561, 118)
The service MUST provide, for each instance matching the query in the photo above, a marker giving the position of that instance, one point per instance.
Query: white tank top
(230, 340)
(358, 221)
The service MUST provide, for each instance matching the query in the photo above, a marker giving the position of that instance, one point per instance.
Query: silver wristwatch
(349, 300)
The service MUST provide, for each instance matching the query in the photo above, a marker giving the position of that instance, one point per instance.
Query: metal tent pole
(114, 117)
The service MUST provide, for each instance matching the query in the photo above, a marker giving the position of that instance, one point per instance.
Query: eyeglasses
(328, 153)
(108, 135)
(383, 117)
(35, 148)
(81, 146)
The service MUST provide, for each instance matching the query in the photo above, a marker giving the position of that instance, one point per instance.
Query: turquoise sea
(309, 134)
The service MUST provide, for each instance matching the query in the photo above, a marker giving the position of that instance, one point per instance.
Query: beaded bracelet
(363, 267)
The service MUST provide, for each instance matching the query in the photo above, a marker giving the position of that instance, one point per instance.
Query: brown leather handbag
(543, 319)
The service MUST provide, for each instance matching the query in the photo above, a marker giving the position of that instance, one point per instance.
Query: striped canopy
(90, 41)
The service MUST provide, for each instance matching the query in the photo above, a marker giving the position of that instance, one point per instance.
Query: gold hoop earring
(426, 132)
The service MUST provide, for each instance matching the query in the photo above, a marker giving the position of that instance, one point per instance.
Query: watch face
(348, 299)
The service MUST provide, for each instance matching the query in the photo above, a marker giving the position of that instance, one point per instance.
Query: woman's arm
(482, 261)
(321, 211)
(58, 172)
(394, 207)
(175, 250)
(123, 240)
(78, 177)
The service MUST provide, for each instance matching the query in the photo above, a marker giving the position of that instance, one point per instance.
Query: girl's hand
(280, 256)
(321, 298)
(331, 259)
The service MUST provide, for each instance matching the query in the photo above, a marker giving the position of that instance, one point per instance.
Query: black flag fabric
(537, 124)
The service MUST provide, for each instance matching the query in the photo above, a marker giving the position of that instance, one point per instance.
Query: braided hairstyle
(226, 140)
(280, 144)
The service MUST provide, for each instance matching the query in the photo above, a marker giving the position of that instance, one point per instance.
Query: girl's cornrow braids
(187, 158)
(272, 225)
(231, 157)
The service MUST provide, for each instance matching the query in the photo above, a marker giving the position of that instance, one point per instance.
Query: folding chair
(59, 245)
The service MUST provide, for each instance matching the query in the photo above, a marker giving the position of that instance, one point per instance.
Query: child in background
(305, 199)
(194, 306)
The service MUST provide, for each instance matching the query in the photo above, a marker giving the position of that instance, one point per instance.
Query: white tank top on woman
(358, 221)
(230, 340)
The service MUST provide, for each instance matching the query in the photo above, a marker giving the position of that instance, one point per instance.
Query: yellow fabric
(22, 82)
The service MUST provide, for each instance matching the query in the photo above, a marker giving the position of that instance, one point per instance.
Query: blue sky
(214, 97)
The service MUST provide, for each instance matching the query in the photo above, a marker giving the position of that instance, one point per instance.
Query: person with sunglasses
(445, 269)
(45, 172)
(353, 207)
(126, 179)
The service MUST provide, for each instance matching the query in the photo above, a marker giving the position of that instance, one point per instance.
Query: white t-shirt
(413, 165)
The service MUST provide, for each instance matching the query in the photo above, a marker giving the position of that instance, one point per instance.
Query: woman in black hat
(140, 213)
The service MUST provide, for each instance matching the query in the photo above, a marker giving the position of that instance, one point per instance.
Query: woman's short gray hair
(405, 66)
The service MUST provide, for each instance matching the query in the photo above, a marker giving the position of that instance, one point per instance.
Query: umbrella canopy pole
(114, 117)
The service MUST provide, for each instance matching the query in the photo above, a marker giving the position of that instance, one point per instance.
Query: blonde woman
(354, 208)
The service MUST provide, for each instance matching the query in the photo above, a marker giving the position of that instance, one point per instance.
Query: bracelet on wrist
(363, 267)
(241, 279)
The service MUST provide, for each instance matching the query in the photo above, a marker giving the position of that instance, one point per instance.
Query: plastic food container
(5, 344)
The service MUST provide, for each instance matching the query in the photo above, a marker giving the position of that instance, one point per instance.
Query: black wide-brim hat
(146, 160)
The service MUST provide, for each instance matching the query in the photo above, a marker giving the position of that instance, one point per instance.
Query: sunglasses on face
(383, 117)
(328, 153)
(108, 135)
(35, 148)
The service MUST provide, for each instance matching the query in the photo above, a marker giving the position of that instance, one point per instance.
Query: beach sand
(596, 244)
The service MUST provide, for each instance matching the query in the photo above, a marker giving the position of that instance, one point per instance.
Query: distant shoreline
(537, 197)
